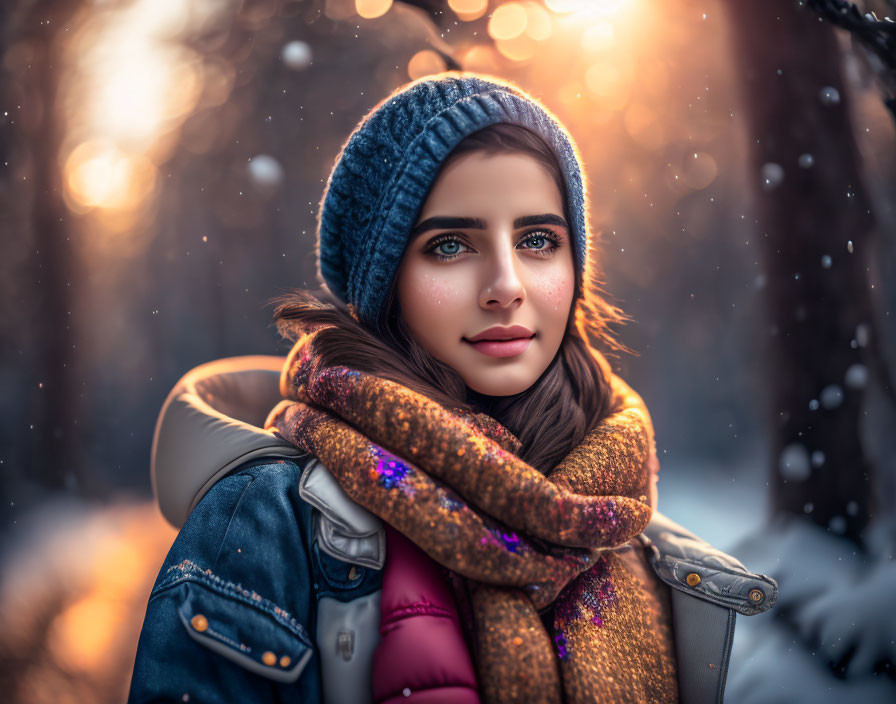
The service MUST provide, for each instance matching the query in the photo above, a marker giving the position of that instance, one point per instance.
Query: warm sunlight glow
(99, 175)
(598, 37)
(130, 86)
(424, 63)
(591, 7)
(644, 126)
(519, 48)
(468, 10)
(508, 21)
(603, 78)
(538, 21)
(135, 78)
(482, 58)
(369, 9)
(107, 564)
(138, 95)
(85, 631)
(565, 6)
(609, 83)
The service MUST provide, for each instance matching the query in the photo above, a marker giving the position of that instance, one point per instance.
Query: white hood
(210, 424)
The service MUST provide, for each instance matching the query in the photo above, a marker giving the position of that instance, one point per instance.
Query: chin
(500, 386)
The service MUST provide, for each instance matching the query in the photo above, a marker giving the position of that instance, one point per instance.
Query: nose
(502, 285)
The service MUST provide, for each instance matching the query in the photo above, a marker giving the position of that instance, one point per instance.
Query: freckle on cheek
(436, 292)
(555, 290)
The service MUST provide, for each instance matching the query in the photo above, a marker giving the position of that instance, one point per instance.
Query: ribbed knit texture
(386, 169)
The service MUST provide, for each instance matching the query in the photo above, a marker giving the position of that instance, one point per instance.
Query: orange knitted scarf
(453, 484)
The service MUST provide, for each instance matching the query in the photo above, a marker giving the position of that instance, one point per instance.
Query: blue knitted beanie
(382, 177)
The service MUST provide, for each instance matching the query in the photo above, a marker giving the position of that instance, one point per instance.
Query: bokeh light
(370, 9)
(643, 125)
(84, 632)
(508, 21)
(538, 21)
(481, 58)
(565, 6)
(424, 63)
(593, 7)
(468, 10)
(296, 55)
(598, 37)
(99, 175)
(699, 170)
(129, 87)
(519, 48)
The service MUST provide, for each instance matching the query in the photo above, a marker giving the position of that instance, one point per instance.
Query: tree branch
(877, 36)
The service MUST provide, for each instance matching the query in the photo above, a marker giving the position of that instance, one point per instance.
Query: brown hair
(550, 417)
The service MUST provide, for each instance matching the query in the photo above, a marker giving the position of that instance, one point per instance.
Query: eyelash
(553, 239)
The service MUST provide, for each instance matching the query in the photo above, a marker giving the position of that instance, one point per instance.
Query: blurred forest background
(161, 164)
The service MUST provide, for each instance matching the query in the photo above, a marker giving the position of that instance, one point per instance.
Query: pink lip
(502, 348)
(499, 341)
(501, 333)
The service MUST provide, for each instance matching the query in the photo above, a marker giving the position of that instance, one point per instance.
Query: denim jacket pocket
(242, 626)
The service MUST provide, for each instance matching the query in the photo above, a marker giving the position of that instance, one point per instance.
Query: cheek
(555, 291)
(433, 292)
(428, 297)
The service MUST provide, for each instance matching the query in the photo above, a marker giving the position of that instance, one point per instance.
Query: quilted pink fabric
(422, 655)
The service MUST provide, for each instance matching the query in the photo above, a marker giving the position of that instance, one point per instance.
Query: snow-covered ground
(832, 635)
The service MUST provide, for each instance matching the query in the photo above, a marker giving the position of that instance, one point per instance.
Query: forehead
(493, 184)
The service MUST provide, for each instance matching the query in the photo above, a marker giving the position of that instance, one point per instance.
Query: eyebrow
(448, 223)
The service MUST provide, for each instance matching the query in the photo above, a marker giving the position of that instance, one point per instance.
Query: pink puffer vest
(422, 655)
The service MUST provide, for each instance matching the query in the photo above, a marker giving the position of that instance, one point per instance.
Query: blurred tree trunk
(52, 405)
(815, 228)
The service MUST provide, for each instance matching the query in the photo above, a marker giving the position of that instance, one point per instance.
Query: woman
(452, 502)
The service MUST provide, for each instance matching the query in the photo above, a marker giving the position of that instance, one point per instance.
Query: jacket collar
(213, 422)
(210, 424)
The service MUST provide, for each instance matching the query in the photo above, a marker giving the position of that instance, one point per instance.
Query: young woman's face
(487, 279)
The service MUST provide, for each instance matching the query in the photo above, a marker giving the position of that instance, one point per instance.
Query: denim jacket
(271, 590)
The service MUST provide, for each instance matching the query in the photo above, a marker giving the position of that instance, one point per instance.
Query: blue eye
(542, 242)
(446, 248)
(449, 248)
